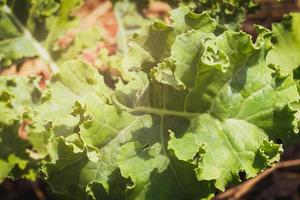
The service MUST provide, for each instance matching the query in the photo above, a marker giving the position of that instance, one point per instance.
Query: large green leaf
(286, 52)
(18, 96)
(60, 102)
(13, 44)
(31, 28)
(285, 57)
(198, 110)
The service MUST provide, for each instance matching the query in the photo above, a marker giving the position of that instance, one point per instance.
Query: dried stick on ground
(239, 191)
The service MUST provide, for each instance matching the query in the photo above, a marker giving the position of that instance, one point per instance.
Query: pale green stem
(43, 54)
(122, 32)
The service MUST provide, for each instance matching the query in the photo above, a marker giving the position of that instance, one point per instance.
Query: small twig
(240, 190)
(40, 49)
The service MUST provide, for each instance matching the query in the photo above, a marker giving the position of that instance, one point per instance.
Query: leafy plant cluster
(195, 106)
(228, 13)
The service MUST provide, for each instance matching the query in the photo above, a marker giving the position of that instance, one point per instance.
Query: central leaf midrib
(159, 112)
(164, 148)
